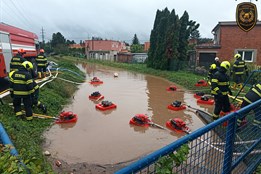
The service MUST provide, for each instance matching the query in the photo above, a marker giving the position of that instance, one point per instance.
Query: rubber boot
(39, 75)
(234, 86)
(215, 117)
(240, 86)
(19, 114)
(29, 118)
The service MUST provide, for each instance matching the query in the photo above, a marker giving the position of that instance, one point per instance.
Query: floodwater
(106, 137)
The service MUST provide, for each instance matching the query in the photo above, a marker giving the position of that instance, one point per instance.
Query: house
(229, 39)
(103, 49)
(125, 57)
(146, 46)
(139, 57)
(76, 46)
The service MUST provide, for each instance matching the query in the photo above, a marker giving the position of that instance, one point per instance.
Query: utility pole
(42, 34)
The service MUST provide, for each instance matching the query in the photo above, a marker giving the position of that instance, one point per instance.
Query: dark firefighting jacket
(253, 94)
(239, 67)
(16, 62)
(220, 83)
(41, 60)
(211, 73)
(21, 83)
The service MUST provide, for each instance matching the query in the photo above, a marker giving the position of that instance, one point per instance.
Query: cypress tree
(169, 40)
(172, 40)
(160, 56)
(135, 40)
(153, 41)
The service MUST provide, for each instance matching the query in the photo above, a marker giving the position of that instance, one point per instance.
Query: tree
(59, 43)
(195, 35)
(153, 41)
(136, 48)
(172, 40)
(205, 40)
(57, 39)
(135, 40)
(169, 40)
(187, 27)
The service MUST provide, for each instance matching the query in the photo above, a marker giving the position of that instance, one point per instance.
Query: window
(247, 55)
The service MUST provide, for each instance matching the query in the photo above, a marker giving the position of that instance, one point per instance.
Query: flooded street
(106, 137)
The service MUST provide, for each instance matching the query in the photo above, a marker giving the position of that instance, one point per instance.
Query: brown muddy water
(106, 137)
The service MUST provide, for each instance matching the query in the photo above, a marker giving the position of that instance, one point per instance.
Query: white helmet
(216, 59)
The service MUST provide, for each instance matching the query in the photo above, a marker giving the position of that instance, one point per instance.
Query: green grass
(26, 136)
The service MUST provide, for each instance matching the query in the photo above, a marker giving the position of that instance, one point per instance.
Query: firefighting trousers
(221, 104)
(27, 101)
(238, 78)
(41, 68)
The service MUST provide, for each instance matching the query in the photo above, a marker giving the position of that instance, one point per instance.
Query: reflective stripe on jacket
(41, 60)
(253, 94)
(239, 67)
(16, 62)
(220, 83)
(21, 83)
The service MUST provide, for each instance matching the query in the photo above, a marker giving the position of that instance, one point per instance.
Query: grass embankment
(27, 136)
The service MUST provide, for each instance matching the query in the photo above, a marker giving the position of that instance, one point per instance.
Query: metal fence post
(230, 137)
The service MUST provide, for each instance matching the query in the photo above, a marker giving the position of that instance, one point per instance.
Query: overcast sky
(111, 19)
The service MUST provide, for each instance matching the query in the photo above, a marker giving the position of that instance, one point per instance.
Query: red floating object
(201, 83)
(172, 88)
(199, 95)
(140, 120)
(205, 100)
(96, 97)
(177, 125)
(67, 117)
(96, 82)
(105, 105)
(175, 108)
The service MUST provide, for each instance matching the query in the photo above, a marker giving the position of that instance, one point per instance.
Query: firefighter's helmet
(225, 64)
(21, 51)
(41, 50)
(213, 66)
(216, 59)
(28, 65)
(237, 56)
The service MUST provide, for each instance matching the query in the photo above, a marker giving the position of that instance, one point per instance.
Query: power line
(19, 10)
(12, 12)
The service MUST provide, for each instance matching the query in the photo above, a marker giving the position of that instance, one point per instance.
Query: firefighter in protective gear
(17, 60)
(21, 88)
(212, 70)
(220, 89)
(35, 94)
(254, 94)
(217, 62)
(41, 62)
(239, 69)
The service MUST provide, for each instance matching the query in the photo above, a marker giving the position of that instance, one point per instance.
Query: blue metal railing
(214, 148)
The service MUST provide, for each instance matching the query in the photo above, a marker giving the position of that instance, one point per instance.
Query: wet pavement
(106, 137)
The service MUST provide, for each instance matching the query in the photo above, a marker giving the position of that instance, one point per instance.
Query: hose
(6, 141)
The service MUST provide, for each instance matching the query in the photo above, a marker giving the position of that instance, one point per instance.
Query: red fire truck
(12, 39)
